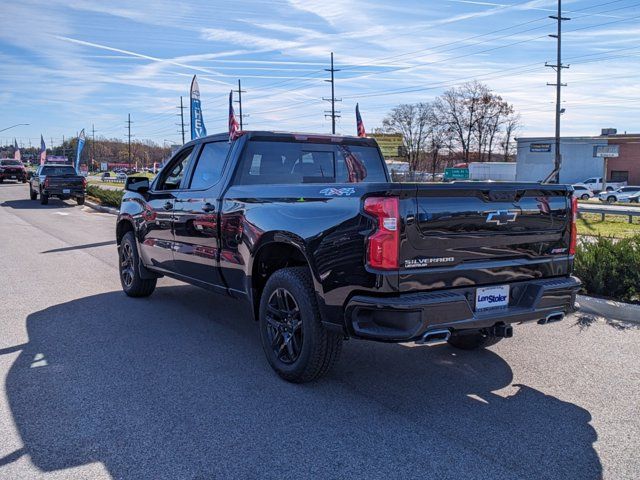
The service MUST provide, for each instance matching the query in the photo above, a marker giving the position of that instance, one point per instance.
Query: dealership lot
(98, 385)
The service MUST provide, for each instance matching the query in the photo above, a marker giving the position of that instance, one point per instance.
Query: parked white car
(582, 192)
(623, 194)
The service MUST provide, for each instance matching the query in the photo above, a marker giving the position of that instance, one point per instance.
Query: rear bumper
(408, 317)
(59, 192)
(13, 176)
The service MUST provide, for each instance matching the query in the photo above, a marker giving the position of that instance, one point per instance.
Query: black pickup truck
(62, 181)
(310, 230)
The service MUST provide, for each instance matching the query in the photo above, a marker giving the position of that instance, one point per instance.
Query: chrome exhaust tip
(551, 318)
(434, 336)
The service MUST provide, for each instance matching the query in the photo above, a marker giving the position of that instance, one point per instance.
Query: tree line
(143, 153)
(467, 123)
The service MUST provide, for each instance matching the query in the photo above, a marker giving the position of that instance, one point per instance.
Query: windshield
(10, 162)
(58, 171)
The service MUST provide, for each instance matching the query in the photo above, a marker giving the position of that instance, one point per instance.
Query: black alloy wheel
(284, 328)
(127, 264)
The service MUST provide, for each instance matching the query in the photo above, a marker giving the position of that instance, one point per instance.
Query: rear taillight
(46, 183)
(84, 182)
(384, 243)
(574, 227)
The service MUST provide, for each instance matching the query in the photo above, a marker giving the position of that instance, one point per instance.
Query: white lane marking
(60, 213)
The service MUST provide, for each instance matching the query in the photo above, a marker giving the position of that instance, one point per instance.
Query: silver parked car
(622, 194)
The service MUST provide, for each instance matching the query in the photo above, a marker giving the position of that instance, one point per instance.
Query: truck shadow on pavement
(176, 386)
(29, 204)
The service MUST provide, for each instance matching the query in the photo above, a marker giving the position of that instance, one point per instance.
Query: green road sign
(456, 173)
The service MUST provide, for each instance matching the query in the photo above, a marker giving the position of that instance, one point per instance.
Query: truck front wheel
(132, 282)
(472, 340)
(296, 344)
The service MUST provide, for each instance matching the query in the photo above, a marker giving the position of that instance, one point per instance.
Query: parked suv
(622, 194)
(311, 232)
(11, 169)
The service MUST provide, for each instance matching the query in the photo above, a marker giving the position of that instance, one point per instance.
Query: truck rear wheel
(472, 341)
(296, 344)
(132, 282)
(32, 193)
(80, 200)
(44, 199)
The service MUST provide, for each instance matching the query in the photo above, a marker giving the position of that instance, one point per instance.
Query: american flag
(16, 150)
(43, 150)
(234, 128)
(359, 123)
(356, 168)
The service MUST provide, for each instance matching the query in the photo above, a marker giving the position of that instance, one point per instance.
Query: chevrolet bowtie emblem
(502, 217)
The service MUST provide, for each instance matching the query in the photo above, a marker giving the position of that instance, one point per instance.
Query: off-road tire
(472, 341)
(44, 199)
(80, 200)
(33, 195)
(320, 347)
(132, 282)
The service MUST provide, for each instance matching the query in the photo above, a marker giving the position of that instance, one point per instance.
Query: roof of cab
(274, 133)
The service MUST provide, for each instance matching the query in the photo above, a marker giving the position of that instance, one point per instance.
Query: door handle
(168, 206)
(207, 207)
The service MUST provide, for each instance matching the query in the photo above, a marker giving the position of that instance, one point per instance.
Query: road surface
(97, 385)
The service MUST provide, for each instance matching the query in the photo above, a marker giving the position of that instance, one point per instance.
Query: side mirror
(137, 184)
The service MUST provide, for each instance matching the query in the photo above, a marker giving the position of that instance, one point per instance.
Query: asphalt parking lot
(98, 385)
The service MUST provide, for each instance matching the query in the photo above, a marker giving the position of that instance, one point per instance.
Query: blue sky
(68, 64)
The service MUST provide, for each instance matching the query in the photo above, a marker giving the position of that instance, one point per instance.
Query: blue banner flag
(81, 140)
(197, 122)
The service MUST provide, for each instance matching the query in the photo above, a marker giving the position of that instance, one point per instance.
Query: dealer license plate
(492, 297)
(66, 190)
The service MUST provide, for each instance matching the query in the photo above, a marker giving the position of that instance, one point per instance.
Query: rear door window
(209, 167)
(279, 162)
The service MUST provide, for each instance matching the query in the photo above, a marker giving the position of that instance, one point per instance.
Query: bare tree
(511, 126)
(475, 116)
(412, 121)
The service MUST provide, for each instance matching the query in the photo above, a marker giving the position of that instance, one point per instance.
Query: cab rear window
(278, 162)
(56, 171)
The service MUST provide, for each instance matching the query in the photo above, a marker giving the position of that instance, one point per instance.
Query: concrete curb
(100, 208)
(609, 309)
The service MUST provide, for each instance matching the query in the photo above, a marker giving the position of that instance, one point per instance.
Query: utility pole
(558, 68)
(93, 145)
(129, 136)
(64, 148)
(239, 102)
(181, 107)
(334, 114)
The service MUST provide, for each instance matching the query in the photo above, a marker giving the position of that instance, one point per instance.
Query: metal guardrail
(621, 211)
